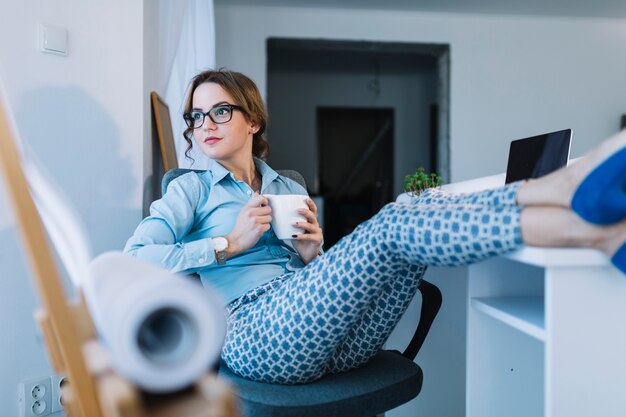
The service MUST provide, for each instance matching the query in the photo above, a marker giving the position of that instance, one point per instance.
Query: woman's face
(224, 142)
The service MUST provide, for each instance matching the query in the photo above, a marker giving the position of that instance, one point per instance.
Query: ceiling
(565, 8)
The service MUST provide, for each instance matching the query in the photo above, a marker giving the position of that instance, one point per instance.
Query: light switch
(52, 39)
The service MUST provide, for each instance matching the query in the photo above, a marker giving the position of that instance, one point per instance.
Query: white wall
(84, 118)
(511, 77)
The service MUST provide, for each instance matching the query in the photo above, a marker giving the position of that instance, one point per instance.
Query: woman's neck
(244, 171)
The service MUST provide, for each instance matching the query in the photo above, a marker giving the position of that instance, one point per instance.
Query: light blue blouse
(198, 206)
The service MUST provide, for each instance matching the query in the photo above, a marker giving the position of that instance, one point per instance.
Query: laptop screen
(539, 155)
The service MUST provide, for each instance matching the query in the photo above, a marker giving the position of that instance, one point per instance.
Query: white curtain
(187, 47)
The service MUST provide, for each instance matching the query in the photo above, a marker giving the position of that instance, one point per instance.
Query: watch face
(220, 243)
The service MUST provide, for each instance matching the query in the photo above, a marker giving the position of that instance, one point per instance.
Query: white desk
(545, 331)
(546, 335)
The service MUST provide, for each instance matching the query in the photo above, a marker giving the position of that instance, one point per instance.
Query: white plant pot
(404, 198)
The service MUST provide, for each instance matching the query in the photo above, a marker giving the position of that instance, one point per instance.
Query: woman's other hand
(309, 242)
(253, 220)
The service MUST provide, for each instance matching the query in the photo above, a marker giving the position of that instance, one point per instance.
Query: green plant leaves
(420, 180)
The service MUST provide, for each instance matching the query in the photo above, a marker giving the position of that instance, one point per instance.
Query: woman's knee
(387, 213)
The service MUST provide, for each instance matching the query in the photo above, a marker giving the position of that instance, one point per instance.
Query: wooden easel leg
(42, 319)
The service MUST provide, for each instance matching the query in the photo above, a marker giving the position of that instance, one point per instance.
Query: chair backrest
(175, 173)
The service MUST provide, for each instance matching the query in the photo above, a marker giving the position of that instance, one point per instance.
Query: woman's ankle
(551, 190)
(613, 237)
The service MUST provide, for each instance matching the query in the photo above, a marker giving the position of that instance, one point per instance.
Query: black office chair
(388, 381)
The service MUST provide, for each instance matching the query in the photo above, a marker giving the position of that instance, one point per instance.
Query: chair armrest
(431, 302)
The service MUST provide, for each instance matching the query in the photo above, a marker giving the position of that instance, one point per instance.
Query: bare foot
(559, 187)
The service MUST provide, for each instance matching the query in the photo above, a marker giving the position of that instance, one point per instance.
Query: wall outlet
(35, 397)
(57, 382)
(42, 397)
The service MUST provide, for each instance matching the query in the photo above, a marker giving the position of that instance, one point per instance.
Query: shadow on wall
(22, 355)
(77, 145)
(75, 141)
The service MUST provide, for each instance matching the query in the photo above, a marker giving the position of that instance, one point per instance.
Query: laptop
(539, 155)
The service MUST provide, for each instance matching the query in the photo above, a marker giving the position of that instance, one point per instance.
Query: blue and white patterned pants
(337, 312)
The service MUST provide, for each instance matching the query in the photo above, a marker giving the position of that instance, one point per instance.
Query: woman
(294, 314)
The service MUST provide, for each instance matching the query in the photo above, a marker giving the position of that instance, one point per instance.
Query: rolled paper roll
(162, 330)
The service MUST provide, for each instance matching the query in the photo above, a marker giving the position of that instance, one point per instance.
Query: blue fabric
(619, 258)
(601, 197)
(336, 313)
(198, 206)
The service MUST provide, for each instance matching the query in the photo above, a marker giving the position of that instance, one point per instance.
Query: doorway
(355, 166)
(330, 98)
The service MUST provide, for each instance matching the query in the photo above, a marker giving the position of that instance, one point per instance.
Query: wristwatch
(220, 245)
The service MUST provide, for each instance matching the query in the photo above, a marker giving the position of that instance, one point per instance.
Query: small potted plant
(417, 182)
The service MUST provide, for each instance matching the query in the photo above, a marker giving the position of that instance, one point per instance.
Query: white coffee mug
(285, 213)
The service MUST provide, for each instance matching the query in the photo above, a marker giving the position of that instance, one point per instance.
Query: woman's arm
(159, 237)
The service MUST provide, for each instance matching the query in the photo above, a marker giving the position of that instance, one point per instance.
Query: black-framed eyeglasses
(218, 115)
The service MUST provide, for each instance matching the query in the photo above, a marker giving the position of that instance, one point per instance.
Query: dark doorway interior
(355, 148)
(329, 99)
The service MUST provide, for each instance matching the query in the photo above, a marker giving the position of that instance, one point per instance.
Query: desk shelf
(545, 335)
(522, 313)
(506, 338)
